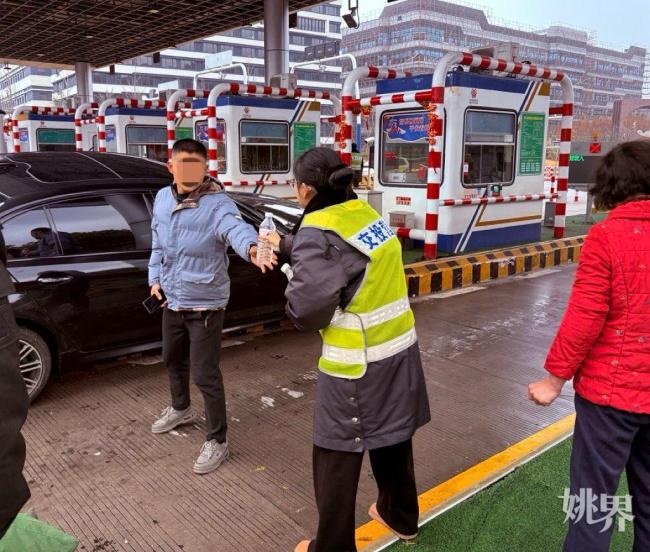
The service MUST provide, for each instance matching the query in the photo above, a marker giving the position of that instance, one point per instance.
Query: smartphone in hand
(152, 304)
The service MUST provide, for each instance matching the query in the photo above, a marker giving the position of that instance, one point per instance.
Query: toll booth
(134, 131)
(493, 138)
(258, 139)
(42, 132)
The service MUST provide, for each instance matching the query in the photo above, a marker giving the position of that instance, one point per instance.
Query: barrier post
(83, 109)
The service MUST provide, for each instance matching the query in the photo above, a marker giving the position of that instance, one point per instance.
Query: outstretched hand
(269, 263)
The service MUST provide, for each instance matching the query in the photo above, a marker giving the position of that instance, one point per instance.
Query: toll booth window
(405, 148)
(111, 140)
(147, 141)
(201, 133)
(489, 148)
(55, 139)
(264, 146)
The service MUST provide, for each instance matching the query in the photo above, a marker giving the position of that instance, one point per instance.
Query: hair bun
(341, 177)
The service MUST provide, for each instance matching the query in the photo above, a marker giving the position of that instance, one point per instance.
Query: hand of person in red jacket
(544, 392)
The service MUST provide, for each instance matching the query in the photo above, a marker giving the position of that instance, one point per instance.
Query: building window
(489, 148)
(335, 27)
(309, 24)
(264, 146)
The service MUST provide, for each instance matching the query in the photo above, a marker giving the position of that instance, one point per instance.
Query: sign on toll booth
(531, 156)
(304, 138)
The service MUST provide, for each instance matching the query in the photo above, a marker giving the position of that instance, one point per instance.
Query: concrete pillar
(276, 38)
(84, 75)
(3, 137)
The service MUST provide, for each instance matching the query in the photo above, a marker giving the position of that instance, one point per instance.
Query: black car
(78, 239)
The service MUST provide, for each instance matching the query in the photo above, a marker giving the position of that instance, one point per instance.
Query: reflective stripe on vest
(378, 322)
(371, 354)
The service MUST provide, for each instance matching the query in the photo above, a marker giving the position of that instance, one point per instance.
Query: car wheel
(35, 361)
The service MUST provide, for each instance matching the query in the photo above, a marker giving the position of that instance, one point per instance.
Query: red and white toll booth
(253, 133)
(459, 155)
(124, 125)
(37, 128)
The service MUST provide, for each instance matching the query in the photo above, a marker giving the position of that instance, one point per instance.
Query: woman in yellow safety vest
(348, 282)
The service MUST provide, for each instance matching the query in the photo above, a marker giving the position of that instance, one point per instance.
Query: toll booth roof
(103, 32)
(462, 79)
(248, 101)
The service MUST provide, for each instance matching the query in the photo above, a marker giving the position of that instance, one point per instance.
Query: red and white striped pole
(5, 127)
(172, 106)
(83, 109)
(563, 165)
(348, 101)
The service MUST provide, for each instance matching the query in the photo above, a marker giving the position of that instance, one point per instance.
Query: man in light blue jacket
(194, 222)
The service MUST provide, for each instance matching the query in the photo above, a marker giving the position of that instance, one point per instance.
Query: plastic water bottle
(264, 248)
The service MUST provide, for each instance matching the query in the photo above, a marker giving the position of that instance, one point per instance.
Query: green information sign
(531, 153)
(304, 138)
(183, 132)
(54, 136)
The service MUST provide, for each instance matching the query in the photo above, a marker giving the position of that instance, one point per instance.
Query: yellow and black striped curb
(457, 272)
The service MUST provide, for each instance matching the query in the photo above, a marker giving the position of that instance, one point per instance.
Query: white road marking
(447, 294)
(293, 394)
(537, 274)
(268, 402)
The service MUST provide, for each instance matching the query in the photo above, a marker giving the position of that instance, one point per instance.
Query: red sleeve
(587, 310)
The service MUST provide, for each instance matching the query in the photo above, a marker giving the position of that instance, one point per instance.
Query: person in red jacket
(603, 344)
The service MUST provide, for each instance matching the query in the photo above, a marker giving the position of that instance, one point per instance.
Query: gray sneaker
(211, 457)
(170, 418)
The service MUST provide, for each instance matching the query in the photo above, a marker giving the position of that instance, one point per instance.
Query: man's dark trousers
(13, 412)
(191, 344)
(606, 442)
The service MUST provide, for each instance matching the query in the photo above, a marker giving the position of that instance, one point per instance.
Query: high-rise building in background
(411, 35)
(141, 76)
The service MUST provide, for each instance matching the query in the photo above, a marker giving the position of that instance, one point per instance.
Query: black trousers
(13, 412)
(607, 441)
(336, 477)
(192, 343)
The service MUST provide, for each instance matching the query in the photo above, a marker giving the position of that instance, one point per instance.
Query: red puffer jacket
(604, 339)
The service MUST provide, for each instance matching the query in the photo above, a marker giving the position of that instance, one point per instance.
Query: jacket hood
(637, 210)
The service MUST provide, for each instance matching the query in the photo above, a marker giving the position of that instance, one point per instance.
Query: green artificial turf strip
(520, 513)
(575, 226)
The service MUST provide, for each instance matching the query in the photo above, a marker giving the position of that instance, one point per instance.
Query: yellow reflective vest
(378, 322)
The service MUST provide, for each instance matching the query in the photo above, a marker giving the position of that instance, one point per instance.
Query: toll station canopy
(59, 33)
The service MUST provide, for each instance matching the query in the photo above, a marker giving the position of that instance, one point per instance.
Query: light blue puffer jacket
(189, 247)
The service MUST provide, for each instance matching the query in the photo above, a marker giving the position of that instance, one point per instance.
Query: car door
(254, 297)
(30, 250)
(95, 288)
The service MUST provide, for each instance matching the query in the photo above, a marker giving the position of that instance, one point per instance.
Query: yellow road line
(467, 483)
